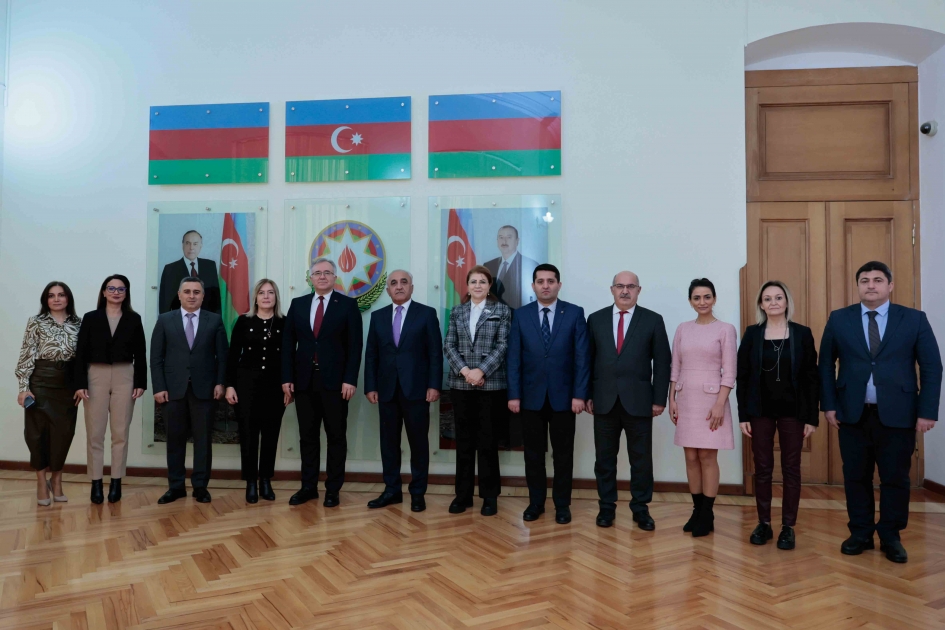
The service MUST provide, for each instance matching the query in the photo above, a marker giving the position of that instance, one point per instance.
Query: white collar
(183, 312)
(405, 305)
(510, 258)
(882, 309)
(616, 310)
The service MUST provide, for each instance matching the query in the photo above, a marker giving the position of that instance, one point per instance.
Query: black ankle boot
(265, 490)
(696, 505)
(252, 493)
(97, 496)
(114, 490)
(706, 521)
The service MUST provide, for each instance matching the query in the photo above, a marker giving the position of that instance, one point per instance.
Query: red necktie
(317, 325)
(193, 270)
(620, 332)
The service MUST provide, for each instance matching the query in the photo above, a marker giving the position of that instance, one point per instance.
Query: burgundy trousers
(791, 439)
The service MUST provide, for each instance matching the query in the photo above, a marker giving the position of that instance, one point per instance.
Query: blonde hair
(277, 307)
(760, 315)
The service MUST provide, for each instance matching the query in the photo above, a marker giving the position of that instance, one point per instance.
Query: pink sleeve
(677, 361)
(729, 356)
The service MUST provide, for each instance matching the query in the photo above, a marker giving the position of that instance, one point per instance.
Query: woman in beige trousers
(111, 373)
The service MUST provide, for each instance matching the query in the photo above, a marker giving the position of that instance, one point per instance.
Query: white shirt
(507, 263)
(403, 314)
(187, 262)
(475, 312)
(626, 321)
(551, 314)
(183, 315)
(311, 314)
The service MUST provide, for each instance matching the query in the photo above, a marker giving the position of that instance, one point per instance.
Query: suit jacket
(417, 363)
(176, 271)
(518, 277)
(97, 345)
(338, 345)
(174, 364)
(639, 375)
(486, 351)
(560, 373)
(804, 375)
(907, 341)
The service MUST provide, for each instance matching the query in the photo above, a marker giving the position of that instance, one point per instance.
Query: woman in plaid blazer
(475, 347)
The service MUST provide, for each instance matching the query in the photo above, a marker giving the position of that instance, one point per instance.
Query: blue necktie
(545, 327)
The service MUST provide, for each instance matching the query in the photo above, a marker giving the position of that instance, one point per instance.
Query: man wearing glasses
(630, 364)
(321, 357)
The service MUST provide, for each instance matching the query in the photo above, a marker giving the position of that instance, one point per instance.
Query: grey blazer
(174, 365)
(639, 375)
(486, 351)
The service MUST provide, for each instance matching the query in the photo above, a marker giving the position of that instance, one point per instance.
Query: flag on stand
(460, 258)
(234, 271)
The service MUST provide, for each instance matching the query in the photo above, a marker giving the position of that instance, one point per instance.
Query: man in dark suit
(511, 271)
(321, 357)
(190, 266)
(630, 369)
(188, 367)
(548, 376)
(403, 371)
(877, 404)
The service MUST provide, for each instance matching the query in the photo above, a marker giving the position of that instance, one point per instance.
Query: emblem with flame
(359, 254)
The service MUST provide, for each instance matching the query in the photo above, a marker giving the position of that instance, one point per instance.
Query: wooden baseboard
(934, 487)
(372, 477)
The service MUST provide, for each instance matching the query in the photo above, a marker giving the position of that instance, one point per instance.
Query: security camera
(929, 128)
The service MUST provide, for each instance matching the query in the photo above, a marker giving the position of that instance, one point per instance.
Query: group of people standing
(543, 360)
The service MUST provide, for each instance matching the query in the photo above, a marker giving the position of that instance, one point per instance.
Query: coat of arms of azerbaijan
(360, 257)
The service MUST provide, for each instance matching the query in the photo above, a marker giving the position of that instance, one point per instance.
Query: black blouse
(256, 345)
(96, 344)
(777, 388)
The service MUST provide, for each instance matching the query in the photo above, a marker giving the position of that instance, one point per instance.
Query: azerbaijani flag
(460, 258)
(511, 134)
(209, 144)
(234, 271)
(347, 139)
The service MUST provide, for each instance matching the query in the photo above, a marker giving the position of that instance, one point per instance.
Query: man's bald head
(626, 277)
(626, 290)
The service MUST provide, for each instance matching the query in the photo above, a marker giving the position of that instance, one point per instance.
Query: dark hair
(184, 237)
(126, 303)
(485, 272)
(875, 265)
(509, 227)
(701, 282)
(546, 267)
(44, 298)
(189, 279)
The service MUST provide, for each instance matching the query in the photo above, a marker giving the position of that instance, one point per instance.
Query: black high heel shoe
(265, 490)
(96, 496)
(114, 490)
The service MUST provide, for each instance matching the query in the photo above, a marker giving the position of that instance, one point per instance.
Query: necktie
(620, 332)
(545, 328)
(873, 333)
(317, 324)
(189, 330)
(398, 321)
(193, 270)
(503, 270)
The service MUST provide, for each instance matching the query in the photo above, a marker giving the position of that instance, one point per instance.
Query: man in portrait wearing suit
(403, 372)
(188, 366)
(630, 370)
(878, 404)
(512, 271)
(190, 266)
(548, 377)
(321, 357)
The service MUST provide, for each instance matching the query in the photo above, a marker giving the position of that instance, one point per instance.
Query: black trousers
(185, 417)
(395, 414)
(259, 413)
(639, 429)
(314, 405)
(536, 426)
(476, 432)
(864, 446)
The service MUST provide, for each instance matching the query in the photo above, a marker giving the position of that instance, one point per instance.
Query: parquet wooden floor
(230, 565)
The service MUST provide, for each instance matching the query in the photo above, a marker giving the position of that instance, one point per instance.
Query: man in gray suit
(188, 365)
(630, 368)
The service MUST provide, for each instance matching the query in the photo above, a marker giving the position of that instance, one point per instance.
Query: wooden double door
(832, 183)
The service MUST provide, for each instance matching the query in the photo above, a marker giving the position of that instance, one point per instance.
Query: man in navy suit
(548, 375)
(403, 371)
(321, 357)
(877, 404)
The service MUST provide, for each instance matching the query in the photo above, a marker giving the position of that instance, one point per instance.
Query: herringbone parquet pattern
(229, 565)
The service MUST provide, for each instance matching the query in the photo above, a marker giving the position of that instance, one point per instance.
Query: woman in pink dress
(704, 365)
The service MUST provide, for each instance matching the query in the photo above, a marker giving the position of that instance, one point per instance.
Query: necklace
(778, 347)
(267, 327)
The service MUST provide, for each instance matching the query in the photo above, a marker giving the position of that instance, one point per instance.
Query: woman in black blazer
(111, 373)
(777, 389)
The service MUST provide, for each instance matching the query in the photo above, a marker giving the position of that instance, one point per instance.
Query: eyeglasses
(322, 274)
(116, 289)
(628, 287)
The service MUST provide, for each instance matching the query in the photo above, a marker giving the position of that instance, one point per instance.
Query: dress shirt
(195, 262)
(475, 312)
(881, 317)
(183, 316)
(551, 314)
(403, 314)
(311, 314)
(626, 321)
(507, 263)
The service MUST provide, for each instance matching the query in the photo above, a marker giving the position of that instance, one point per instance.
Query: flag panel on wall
(209, 144)
(347, 139)
(509, 134)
